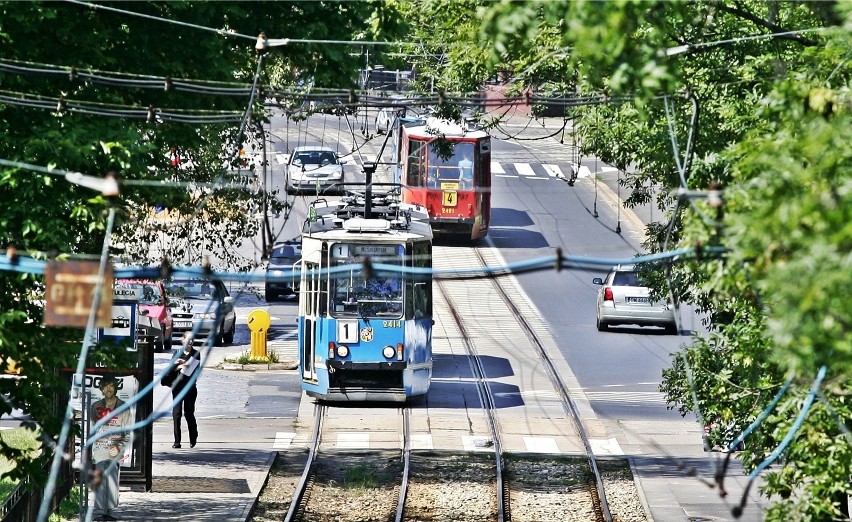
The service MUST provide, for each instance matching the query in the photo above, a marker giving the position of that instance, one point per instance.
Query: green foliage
(773, 132)
(53, 217)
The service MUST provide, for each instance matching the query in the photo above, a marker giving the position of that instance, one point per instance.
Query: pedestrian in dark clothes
(185, 368)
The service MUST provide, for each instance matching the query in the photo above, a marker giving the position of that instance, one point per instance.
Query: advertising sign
(70, 293)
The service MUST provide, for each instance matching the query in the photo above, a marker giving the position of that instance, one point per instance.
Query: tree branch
(766, 24)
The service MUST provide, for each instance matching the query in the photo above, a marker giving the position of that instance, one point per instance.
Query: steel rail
(487, 400)
(406, 463)
(601, 503)
(302, 486)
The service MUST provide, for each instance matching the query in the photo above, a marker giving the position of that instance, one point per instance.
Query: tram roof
(400, 221)
(435, 127)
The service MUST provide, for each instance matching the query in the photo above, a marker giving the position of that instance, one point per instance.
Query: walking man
(185, 368)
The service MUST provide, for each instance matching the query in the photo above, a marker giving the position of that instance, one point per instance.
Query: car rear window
(286, 251)
(625, 279)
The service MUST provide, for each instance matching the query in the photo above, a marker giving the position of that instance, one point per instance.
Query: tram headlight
(342, 351)
(388, 352)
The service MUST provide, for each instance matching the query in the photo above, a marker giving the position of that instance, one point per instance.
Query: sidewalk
(215, 481)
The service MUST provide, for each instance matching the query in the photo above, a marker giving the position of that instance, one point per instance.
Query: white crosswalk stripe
(541, 445)
(496, 168)
(524, 169)
(283, 439)
(553, 170)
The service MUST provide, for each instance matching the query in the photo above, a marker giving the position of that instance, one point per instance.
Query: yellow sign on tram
(450, 199)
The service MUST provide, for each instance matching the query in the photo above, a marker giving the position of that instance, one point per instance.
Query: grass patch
(360, 477)
(69, 508)
(18, 438)
(247, 358)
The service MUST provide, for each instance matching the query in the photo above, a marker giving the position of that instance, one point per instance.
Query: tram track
(594, 484)
(337, 484)
(602, 511)
(486, 398)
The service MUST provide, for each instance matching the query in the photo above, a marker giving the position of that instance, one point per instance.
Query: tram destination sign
(70, 293)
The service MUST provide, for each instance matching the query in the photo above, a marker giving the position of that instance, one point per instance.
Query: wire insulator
(167, 83)
(72, 74)
(165, 269)
(151, 114)
(12, 254)
(60, 105)
(558, 259)
(208, 269)
(368, 268)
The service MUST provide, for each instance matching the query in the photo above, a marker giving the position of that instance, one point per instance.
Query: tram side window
(416, 165)
(422, 290)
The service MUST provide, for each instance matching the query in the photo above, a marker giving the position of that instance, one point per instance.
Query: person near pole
(185, 367)
(108, 451)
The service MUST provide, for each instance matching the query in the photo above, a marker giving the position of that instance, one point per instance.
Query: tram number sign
(347, 331)
(70, 294)
(450, 199)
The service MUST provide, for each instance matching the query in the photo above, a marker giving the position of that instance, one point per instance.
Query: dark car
(200, 302)
(282, 273)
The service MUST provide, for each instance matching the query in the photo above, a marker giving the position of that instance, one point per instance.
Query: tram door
(310, 292)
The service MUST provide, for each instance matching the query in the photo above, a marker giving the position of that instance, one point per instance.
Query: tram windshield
(446, 162)
(354, 296)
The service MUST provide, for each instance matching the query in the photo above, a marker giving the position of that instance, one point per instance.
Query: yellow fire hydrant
(258, 323)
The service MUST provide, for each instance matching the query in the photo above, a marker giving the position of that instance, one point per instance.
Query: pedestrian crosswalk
(424, 441)
(547, 170)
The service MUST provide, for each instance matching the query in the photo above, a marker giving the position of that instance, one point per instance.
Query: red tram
(447, 169)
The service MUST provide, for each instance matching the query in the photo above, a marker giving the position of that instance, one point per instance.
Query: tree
(78, 57)
(766, 118)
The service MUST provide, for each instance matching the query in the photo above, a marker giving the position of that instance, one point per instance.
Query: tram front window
(453, 165)
(354, 296)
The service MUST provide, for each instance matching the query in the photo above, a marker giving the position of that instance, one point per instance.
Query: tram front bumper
(349, 365)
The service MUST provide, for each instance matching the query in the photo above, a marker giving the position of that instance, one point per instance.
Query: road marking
(283, 439)
(553, 170)
(496, 168)
(507, 176)
(421, 441)
(605, 447)
(524, 169)
(583, 172)
(541, 445)
(352, 440)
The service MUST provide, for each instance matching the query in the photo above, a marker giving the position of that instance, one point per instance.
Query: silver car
(314, 169)
(623, 300)
(204, 306)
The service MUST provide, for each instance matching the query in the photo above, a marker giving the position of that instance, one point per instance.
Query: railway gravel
(453, 487)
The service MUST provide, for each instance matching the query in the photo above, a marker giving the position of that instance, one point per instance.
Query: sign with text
(70, 293)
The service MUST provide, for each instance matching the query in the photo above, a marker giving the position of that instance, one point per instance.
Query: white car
(622, 300)
(385, 119)
(314, 169)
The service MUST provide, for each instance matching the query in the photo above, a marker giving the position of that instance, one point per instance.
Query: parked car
(153, 304)
(200, 302)
(623, 300)
(314, 167)
(282, 276)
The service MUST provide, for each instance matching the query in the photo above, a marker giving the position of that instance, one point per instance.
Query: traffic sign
(70, 293)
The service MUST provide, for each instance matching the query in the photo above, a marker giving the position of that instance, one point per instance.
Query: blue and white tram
(365, 336)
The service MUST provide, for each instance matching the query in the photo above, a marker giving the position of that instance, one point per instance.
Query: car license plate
(184, 324)
(643, 300)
